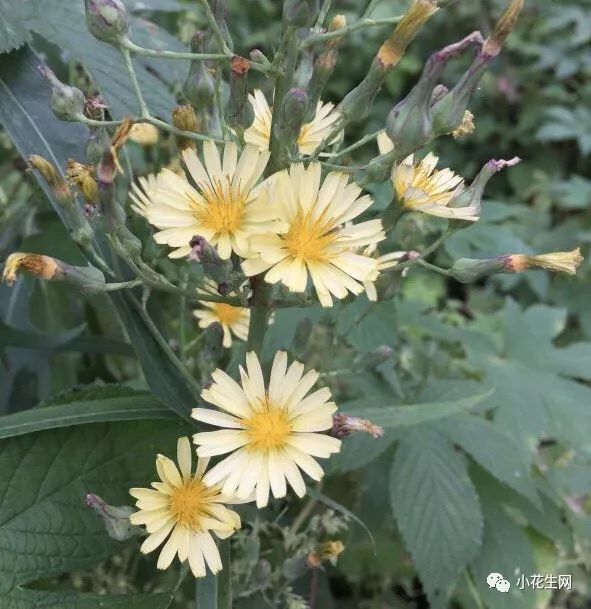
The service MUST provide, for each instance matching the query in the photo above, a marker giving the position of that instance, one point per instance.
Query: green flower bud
(200, 85)
(468, 270)
(239, 113)
(116, 519)
(291, 117)
(67, 102)
(106, 20)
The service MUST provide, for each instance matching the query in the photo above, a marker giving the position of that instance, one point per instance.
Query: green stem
(358, 25)
(182, 316)
(94, 123)
(188, 134)
(370, 7)
(206, 592)
(110, 287)
(259, 313)
(323, 13)
(138, 50)
(215, 27)
(432, 267)
(144, 112)
(358, 144)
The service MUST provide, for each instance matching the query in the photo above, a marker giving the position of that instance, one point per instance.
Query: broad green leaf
(359, 450)
(415, 414)
(437, 510)
(152, 5)
(506, 550)
(366, 325)
(23, 598)
(13, 28)
(27, 118)
(45, 527)
(493, 450)
(124, 408)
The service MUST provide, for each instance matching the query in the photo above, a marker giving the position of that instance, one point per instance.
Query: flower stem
(144, 112)
(138, 50)
(215, 28)
(358, 25)
(259, 313)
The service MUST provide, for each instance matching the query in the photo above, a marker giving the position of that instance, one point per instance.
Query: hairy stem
(260, 305)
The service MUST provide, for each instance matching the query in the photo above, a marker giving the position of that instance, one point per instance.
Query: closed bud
(300, 13)
(185, 119)
(239, 113)
(468, 270)
(344, 426)
(200, 86)
(88, 279)
(66, 102)
(144, 134)
(107, 20)
(116, 519)
(503, 27)
(291, 117)
(82, 176)
(213, 266)
(471, 197)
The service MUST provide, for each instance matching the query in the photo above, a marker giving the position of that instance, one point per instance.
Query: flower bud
(106, 20)
(66, 102)
(503, 27)
(467, 270)
(239, 113)
(185, 119)
(213, 266)
(344, 426)
(300, 13)
(200, 86)
(471, 197)
(82, 176)
(116, 519)
(324, 64)
(291, 117)
(88, 279)
(560, 262)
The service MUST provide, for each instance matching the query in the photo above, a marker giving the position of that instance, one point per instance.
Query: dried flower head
(39, 265)
(561, 262)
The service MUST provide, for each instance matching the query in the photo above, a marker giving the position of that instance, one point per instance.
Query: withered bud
(144, 134)
(67, 103)
(328, 551)
(344, 426)
(106, 20)
(185, 119)
(239, 113)
(53, 178)
(82, 176)
(502, 29)
(116, 519)
(466, 127)
(393, 49)
(560, 262)
(88, 279)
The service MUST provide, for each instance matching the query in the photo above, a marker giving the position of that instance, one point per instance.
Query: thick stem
(260, 305)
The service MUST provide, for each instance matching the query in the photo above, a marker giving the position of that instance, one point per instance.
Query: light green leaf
(493, 450)
(22, 598)
(123, 408)
(45, 527)
(437, 510)
(415, 414)
(13, 28)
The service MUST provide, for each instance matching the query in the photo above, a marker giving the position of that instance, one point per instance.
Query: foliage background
(467, 494)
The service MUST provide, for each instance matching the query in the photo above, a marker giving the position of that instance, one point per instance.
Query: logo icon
(496, 580)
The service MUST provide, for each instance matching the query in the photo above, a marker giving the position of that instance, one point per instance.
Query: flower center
(227, 314)
(309, 238)
(223, 211)
(187, 503)
(268, 428)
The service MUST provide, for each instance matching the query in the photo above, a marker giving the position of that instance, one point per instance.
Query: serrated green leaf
(415, 414)
(358, 451)
(13, 27)
(493, 450)
(123, 408)
(45, 527)
(437, 510)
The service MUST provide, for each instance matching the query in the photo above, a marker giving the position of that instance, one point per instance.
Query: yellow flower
(39, 265)
(311, 134)
(315, 235)
(182, 508)
(420, 187)
(234, 320)
(271, 432)
(562, 262)
(225, 207)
